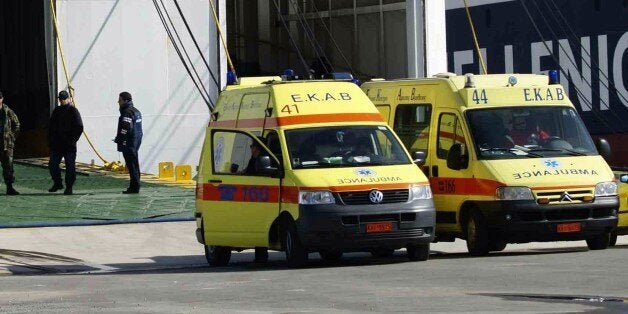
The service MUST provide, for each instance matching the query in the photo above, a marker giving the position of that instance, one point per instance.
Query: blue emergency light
(554, 77)
(232, 79)
(346, 76)
(289, 73)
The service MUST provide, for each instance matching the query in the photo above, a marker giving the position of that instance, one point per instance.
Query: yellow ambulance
(307, 166)
(622, 224)
(508, 158)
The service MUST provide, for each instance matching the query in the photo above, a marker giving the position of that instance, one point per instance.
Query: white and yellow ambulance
(307, 166)
(508, 158)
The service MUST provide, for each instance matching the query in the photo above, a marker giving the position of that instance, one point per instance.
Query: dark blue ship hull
(586, 39)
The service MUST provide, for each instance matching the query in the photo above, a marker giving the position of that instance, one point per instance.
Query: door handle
(434, 171)
(215, 181)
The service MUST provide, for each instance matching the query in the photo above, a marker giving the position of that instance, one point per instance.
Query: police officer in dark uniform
(129, 139)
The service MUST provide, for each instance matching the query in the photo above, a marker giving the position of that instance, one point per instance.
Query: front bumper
(344, 226)
(527, 221)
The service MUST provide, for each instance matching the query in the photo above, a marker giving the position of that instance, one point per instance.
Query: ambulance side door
(245, 199)
(449, 186)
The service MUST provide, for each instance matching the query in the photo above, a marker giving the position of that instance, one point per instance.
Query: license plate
(570, 227)
(379, 227)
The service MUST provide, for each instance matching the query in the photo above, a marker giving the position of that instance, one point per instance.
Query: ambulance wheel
(296, 253)
(599, 242)
(217, 255)
(497, 245)
(261, 255)
(613, 239)
(418, 252)
(330, 255)
(477, 234)
(382, 252)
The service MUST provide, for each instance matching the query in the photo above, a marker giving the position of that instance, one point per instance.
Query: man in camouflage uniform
(9, 127)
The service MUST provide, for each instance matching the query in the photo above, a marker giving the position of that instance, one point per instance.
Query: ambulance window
(412, 125)
(236, 153)
(449, 133)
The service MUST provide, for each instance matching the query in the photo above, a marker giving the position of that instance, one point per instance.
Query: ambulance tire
(599, 242)
(497, 245)
(217, 255)
(613, 239)
(382, 252)
(261, 255)
(330, 255)
(477, 234)
(418, 252)
(296, 253)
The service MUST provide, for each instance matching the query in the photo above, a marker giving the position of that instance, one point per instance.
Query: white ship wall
(114, 46)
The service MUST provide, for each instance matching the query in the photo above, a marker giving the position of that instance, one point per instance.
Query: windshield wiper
(510, 150)
(559, 150)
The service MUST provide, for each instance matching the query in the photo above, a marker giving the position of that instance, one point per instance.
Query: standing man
(129, 139)
(9, 128)
(66, 127)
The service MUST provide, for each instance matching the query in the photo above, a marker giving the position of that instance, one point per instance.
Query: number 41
(287, 109)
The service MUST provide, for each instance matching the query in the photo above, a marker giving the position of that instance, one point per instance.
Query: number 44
(480, 96)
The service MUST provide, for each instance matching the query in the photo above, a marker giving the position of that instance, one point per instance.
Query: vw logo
(376, 196)
(565, 197)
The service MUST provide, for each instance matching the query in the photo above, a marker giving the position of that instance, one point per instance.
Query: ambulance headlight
(316, 197)
(421, 192)
(511, 193)
(606, 189)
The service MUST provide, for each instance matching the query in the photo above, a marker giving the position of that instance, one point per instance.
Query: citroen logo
(376, 196)
(565, 197)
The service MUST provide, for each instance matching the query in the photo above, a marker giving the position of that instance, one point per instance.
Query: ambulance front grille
(558, 196)
(362, 197)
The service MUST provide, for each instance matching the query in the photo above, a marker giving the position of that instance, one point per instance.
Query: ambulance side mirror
(419, 158)
(603, 147)
(455, 159)
(267, 169)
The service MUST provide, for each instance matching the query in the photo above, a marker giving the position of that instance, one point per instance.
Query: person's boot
(56, 187)
(68, 190)
(11, 190)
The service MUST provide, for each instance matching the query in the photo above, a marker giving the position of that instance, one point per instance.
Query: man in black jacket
(66, 127)
(129, 139)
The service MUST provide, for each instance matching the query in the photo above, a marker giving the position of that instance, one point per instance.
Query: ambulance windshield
(344, 146)
(529, 132)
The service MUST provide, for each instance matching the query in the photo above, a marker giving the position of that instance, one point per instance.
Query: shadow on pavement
(36, 263)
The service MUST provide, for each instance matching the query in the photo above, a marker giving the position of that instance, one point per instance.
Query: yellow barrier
(166, 170)
(183, 173)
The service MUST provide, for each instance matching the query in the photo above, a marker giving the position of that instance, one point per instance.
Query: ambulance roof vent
(469, 81)
(257, 80)
(444, 75)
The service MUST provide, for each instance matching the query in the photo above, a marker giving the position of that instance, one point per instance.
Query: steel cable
(207, 101)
